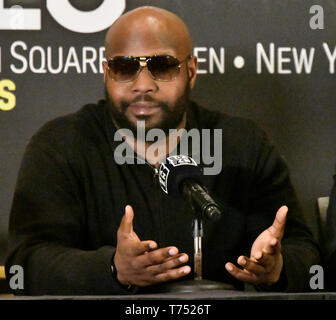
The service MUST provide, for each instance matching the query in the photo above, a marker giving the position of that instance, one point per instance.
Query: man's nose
(144, 83)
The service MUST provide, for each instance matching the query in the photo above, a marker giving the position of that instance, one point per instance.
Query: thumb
(126, 224)
(277, 229)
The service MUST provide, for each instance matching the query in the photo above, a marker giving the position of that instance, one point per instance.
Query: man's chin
(145, 124)
(149, 122)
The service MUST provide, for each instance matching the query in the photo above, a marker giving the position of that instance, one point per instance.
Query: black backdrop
(297, 108)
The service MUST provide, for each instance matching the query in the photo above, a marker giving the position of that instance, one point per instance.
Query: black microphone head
(174, 169)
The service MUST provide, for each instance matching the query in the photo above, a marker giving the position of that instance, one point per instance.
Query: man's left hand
(265, 263)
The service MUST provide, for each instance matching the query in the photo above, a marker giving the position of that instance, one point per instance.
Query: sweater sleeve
(272, 188)
(46, 231)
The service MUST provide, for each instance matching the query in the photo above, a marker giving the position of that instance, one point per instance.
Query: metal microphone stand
(198, 284)
(197, 234)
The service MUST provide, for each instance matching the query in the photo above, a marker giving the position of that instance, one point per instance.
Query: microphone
(180, 174)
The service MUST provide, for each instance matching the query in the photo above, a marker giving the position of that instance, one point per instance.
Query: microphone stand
(198, 284)
(198, 234)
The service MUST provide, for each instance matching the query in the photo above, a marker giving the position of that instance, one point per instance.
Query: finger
(158, 256)
(272, 247)
(149, 245)
(277, 229)
(141, 247)
(168, 264)
(258, 255)
(241, 275)
(126, 224)
(250, 265)
(172, 274)
(267, 260)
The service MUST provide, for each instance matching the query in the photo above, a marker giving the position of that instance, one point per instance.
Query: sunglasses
(161, 67)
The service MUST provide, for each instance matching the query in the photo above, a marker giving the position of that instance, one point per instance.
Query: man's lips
(143, 109)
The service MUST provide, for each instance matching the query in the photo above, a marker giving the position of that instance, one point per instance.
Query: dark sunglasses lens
(123, 68)
(164, 68)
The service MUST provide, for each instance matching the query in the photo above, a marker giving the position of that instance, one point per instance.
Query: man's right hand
(140, 263)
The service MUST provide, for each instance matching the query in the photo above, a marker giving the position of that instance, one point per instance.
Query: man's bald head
(148, 29)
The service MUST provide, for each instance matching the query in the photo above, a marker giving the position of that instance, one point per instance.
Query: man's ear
(192, 71)
(105, 69)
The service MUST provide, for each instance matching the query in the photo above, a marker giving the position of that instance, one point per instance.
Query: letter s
(86, 22)
(10, 97)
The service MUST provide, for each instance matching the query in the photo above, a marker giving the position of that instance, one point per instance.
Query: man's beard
(170, 119)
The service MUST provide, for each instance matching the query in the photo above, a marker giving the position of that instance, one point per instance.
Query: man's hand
(266, 262)
(140, 263)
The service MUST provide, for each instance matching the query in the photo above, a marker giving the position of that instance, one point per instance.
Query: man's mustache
(142, 98)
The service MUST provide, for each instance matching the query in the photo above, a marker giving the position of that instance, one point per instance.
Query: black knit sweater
(70, 197)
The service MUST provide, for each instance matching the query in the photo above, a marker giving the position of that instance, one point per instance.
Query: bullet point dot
(239, 62)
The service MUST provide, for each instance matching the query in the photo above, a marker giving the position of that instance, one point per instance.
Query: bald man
(82, 223)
